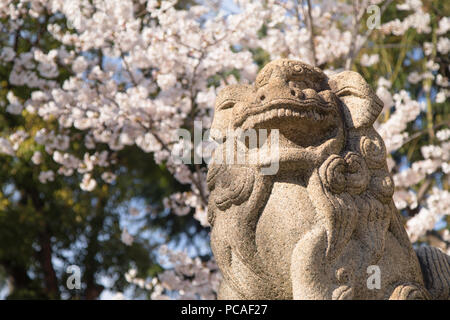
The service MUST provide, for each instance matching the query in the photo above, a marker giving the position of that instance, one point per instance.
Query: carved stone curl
(345, 173)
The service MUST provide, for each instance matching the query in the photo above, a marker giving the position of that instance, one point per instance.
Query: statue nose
(273, 92)
(297, 93)
(310, 94)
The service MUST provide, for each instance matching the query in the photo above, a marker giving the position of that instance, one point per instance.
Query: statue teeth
(250, 123)
(280, 112)
(288, 112)
(245, 125)
(261, 117)
(296, 113)
(316, 116)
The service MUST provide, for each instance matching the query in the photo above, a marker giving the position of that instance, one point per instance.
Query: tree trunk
(45, 258)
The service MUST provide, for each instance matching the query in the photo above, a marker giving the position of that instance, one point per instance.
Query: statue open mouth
(311, 110)
(316, 119)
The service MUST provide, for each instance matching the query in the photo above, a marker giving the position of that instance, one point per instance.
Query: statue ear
(227, 98)
(361, 104)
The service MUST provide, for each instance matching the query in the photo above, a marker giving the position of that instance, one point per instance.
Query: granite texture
(312, 230)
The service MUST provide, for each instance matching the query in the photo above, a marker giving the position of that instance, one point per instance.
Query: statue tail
(435, 267)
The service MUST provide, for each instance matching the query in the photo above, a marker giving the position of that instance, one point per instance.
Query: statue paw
(409, 291)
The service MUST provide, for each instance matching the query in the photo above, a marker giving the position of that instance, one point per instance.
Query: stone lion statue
(315, 228)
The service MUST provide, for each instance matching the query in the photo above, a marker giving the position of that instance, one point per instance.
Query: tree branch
(311, 31)
(354, 49)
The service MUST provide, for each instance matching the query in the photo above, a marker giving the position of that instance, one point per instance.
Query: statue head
(325, 125)
(312, 112)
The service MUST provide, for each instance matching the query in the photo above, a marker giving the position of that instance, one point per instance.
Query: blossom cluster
(186, 279)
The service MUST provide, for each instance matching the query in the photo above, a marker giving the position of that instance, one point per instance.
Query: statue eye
(349, 91)
(226, 105)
